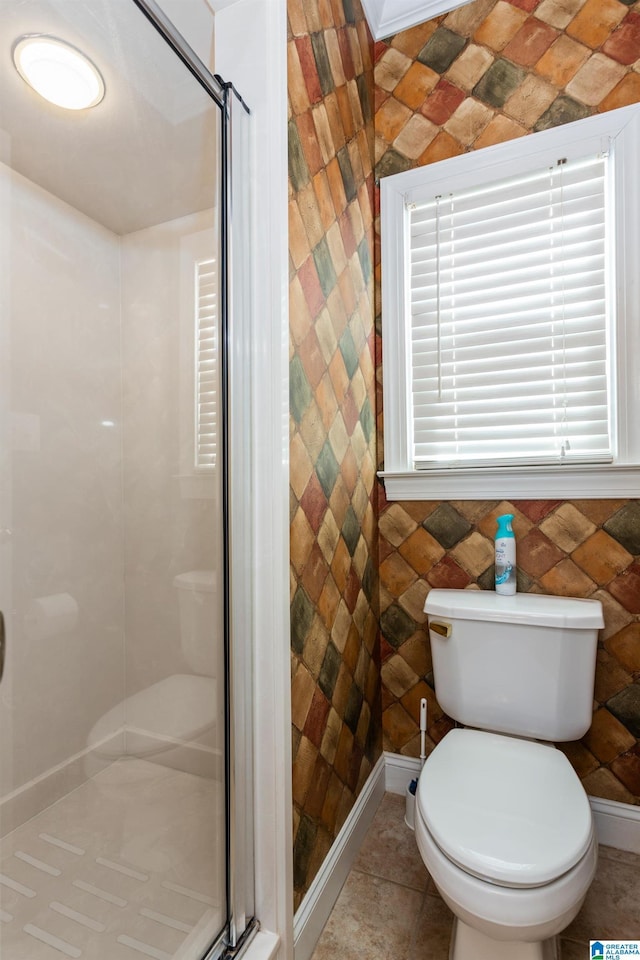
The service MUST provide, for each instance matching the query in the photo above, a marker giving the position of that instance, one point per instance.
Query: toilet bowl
(507, 923)
(502, 821)
(506, 832)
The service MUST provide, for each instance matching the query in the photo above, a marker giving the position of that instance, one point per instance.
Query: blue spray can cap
(504, 525)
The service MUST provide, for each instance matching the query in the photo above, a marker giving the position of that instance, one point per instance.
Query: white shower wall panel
(104, 505)
(65, 498)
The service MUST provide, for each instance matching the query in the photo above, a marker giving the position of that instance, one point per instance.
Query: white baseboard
(313, 912)
(617, 824)
(399, 771)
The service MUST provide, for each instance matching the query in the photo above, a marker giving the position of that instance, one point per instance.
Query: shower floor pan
(129, 865)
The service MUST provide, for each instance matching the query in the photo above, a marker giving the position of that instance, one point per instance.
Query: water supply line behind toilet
(410, 809)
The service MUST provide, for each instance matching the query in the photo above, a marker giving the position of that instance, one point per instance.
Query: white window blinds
(509, 334)
(206, 362)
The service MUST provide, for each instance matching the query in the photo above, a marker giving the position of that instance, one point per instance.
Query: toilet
(502, 821)
(180, 709)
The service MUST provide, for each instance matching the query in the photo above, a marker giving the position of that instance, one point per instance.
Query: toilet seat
(507, 913)
(508, 811)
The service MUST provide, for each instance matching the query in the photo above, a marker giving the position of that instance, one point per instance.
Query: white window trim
(597, 481)
(386, 17)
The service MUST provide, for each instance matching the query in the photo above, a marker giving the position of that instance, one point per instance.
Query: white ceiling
(386, 17)
(147, 153)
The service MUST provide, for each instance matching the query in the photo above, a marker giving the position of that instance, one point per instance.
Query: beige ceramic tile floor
(389, 908)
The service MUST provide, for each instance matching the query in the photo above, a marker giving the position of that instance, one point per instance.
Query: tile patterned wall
(335, 660)
(488, 72)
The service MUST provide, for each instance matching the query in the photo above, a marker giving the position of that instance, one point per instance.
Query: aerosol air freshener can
(505, 556)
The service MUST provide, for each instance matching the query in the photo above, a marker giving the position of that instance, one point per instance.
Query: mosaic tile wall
(488, 72)
(335, 659)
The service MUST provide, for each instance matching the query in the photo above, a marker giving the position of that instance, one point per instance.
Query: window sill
(514, 483)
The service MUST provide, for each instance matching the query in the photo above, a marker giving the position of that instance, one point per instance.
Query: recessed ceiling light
(58, 72)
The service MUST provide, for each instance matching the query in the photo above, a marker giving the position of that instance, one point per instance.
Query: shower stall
(124, 244)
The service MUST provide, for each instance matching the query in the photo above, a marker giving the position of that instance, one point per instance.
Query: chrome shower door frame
(235, 345)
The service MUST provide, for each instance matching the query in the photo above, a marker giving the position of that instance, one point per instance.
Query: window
(508, 302)
(511, 321)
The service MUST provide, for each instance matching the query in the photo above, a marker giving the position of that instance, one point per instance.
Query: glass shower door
(113, 705)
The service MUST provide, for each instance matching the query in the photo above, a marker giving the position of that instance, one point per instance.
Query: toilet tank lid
(196, 580)
(532, 608)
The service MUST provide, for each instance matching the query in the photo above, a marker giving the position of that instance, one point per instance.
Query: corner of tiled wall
(486, 73)
(336, 725)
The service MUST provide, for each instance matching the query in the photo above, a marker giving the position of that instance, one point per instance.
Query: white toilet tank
(523, 665)
(199, 622)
